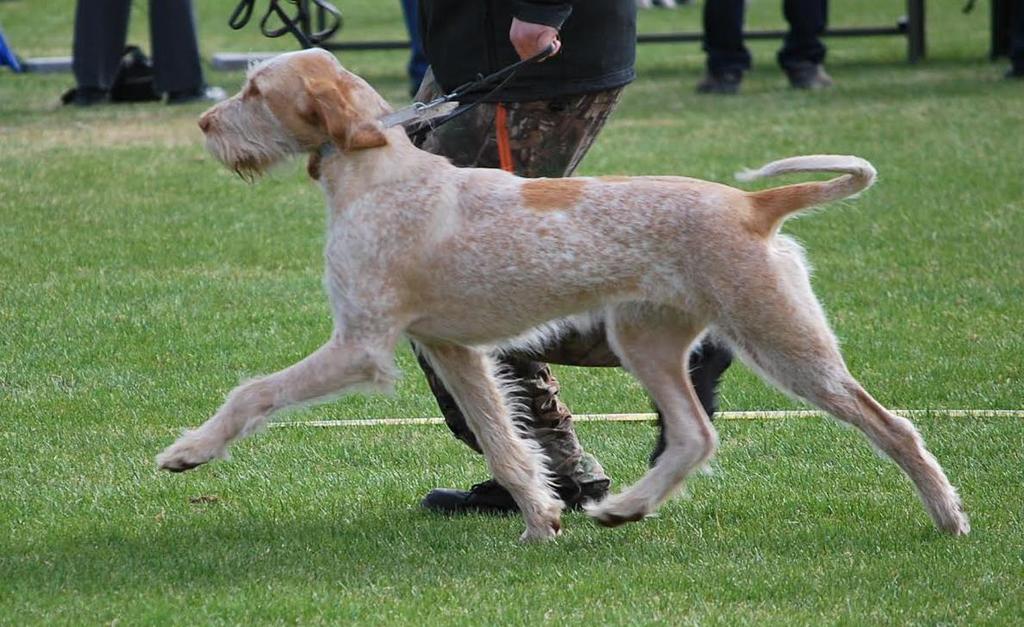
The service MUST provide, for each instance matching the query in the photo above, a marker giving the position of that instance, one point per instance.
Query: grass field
(139, 282)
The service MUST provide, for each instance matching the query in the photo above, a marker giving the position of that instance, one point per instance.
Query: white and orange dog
(461, 260)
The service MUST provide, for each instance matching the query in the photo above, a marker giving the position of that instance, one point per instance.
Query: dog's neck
(346, 176)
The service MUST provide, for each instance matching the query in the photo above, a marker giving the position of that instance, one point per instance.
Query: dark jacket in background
(467, 38)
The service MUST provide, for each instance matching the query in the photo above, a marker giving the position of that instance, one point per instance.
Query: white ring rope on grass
(722, 415)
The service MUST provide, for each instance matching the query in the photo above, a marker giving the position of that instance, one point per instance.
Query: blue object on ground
(7, 56)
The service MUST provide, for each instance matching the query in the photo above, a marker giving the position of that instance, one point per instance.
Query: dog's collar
(326, 150)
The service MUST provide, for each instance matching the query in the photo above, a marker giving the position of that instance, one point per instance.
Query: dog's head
(293, 103)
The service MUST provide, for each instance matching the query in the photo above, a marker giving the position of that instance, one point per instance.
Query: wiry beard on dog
(249, 168)
(248, 154)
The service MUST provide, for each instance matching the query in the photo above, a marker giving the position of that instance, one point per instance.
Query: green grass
(139, 282)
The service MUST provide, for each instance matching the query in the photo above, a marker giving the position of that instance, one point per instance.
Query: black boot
(489, 497)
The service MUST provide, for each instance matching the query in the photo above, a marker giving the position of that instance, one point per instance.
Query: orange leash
(501, 134)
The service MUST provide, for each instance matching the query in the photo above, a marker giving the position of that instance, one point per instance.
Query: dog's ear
(341, 120)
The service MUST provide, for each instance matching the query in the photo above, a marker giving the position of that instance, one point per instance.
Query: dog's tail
(771, 206)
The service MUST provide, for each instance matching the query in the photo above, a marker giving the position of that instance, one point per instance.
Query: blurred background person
(417, 58)
(1017, 43)
(101, 29)
(802, 56)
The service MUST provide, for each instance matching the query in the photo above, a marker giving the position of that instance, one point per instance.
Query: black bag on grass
(133, 82)
(134, 79)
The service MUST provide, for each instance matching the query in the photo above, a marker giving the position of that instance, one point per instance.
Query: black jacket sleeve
(546, 12)
(464, 39)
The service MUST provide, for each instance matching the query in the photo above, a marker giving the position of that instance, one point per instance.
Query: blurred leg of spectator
(417, 58)
(803, 54)
(727, 56)
(1017, 42)
(101, 27)
(176, 63)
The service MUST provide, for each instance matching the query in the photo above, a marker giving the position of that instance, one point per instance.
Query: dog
(462, 259)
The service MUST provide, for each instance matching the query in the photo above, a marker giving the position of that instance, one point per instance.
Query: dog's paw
(960, 527)
(954, 521)
(191, 450)
(613, 512)
(542, 533)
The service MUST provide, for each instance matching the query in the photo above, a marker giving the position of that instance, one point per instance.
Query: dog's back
(548, 248)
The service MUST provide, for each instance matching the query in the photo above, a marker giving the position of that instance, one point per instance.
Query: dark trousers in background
(101, 29)
(723, 34)
(417, 67)
(1017, 38)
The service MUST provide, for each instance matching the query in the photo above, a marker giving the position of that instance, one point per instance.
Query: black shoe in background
(720, 83)
(1014, 73)
(808, 76)
(85, 96)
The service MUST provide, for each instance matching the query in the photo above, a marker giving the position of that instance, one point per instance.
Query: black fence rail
(312, 18)
(910, 26)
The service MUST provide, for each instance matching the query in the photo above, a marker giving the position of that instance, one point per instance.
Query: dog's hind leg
(786, 337)
(823, 381)
(333, 368)
(515, 462)
(654, 344)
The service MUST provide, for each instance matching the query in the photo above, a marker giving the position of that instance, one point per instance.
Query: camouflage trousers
(545, 138)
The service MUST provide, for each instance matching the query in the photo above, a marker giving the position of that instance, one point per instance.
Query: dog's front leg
(336, 366)
(517, 464)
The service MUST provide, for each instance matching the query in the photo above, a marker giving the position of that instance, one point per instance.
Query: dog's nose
(205, 121)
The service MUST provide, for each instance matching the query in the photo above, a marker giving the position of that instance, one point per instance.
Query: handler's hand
(531, 39)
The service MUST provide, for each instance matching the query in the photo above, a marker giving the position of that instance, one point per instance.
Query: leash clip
(419, 112)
